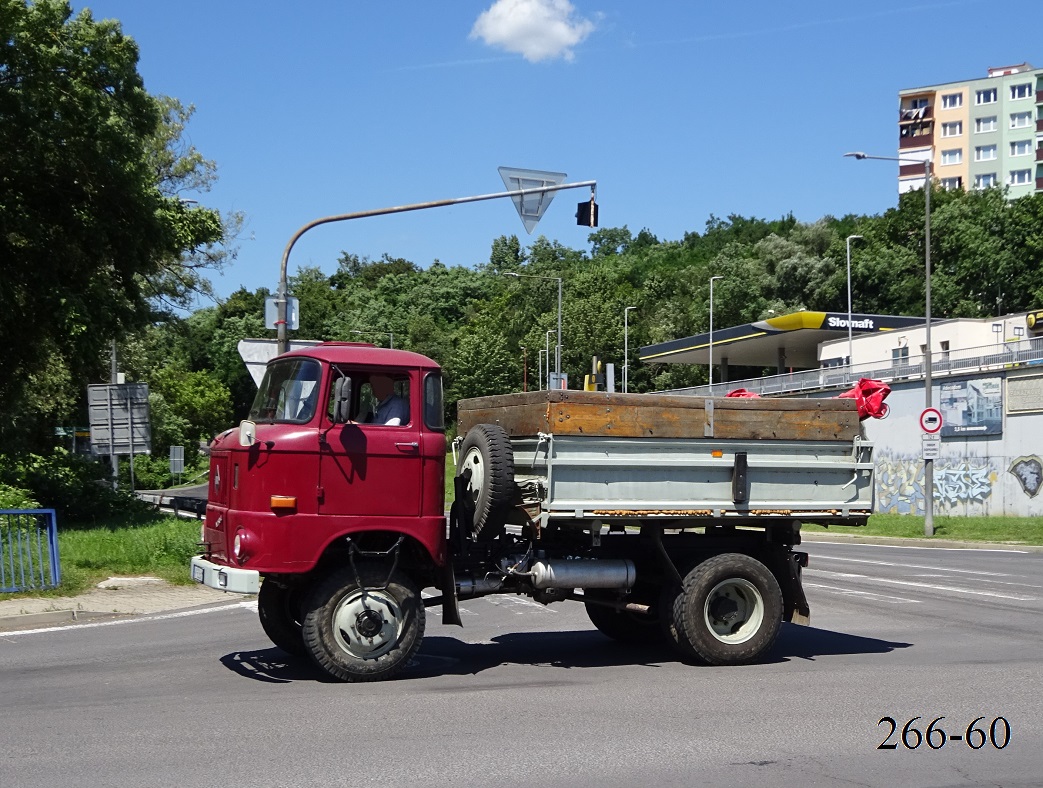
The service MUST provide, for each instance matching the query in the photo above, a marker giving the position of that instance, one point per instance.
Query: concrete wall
(998, 474)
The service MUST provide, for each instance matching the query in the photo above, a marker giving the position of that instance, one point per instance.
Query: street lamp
(557, 349)
(391, 334)
(547, 342)
(626, 348)
(850, 238)
(539, 366)
(928, 525)
(712, 280)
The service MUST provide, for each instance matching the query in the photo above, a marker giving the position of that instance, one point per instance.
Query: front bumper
(225, 578)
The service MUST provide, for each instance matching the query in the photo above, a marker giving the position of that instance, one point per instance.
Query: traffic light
(587, 214)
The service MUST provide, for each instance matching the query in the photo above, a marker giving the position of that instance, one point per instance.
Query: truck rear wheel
(363, 633)
(730, 610)
(279, 609)
(624, 626)
(487, 457)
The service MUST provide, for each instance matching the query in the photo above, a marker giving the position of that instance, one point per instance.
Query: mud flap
(450, 603)
(799, 612)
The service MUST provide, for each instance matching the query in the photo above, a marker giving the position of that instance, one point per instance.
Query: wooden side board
(662, 416)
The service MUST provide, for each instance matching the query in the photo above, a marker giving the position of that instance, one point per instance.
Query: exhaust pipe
(584, 573)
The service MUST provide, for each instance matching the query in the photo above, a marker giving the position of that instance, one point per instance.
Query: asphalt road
(533, 695)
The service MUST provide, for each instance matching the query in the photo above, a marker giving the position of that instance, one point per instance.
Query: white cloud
(535, 29)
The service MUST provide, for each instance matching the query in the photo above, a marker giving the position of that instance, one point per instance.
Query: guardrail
(28, 550)
(1027, 352)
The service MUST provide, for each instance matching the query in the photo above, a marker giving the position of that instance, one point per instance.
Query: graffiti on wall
(957, 482)
(1029, 473)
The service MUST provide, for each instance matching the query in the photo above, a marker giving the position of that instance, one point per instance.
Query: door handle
(407, 446)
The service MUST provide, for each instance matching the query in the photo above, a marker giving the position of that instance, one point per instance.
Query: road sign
(931, 420)
(931, 447)
(531, 207)
(293, 313)
(119, 418)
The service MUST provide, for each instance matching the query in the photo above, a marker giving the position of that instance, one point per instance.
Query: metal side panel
(594, 476)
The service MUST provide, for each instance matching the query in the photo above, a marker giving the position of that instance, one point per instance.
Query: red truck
(669, 517)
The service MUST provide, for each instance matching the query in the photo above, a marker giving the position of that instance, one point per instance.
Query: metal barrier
(28, 550)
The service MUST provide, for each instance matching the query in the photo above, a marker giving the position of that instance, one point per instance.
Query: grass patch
(157, 545)
(1002, 530)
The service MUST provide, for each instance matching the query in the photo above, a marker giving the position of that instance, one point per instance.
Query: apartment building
(976, 134)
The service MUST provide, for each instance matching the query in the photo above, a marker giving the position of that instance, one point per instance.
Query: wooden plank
(663, 416)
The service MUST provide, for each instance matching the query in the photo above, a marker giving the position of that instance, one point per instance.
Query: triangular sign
(531, 207)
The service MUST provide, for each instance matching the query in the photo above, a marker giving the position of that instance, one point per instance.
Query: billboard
(972, 407)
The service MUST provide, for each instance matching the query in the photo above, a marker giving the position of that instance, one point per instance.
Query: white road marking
(910, 566)
(247, 605)
(930, 586)
(851, 592)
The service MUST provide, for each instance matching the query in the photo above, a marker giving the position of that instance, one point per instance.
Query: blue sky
(679, 110)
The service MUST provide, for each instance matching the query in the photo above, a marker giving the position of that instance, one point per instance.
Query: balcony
(915, 115)
(907, 170)
(1039, 184)
(919, 141)
(1039, 125)
(1039, 154)
(1039, 96)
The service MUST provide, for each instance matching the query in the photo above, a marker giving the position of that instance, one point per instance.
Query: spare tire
(487, 463)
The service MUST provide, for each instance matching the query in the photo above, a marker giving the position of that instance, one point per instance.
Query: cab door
(369, 469)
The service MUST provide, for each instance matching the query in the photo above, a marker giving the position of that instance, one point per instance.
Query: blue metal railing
(28, 550)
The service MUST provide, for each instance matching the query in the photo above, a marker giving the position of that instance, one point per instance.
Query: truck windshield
(289, 392)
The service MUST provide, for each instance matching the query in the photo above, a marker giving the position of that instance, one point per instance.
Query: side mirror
(342, 400)
(247, 433)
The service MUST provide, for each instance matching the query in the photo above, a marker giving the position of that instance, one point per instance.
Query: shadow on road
(445, 656)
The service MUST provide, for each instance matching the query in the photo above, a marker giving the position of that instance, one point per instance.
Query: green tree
(88, 237)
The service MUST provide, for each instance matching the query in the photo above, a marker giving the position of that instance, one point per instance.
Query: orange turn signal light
(717, 453)
(284, 501)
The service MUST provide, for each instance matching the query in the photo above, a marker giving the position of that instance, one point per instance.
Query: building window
(985, 181)
(953, 156)
(952, 100)
(918, 103)
(985, 124)
(987, 96)
(951, 184)
(954, 129)
(1020, 120)
(985, 153)
(1019, 177)
(1021, 148)
(1022, 91)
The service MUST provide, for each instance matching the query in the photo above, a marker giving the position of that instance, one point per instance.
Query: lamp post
(391, 334)
(547, 341)
(557, 349)
(712, 280)
(850, 238)
(626, 348)
(539, 367)
(928, 525)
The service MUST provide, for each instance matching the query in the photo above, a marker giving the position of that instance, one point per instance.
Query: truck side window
(434, 412)
(384, 399)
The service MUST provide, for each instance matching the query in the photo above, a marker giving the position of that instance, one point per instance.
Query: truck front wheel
(730, 610)
(363, 633)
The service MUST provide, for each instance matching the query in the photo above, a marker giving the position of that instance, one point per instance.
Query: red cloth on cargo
(869, 396)
(741, 393)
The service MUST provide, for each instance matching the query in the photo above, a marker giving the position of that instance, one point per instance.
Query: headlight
(242, 545)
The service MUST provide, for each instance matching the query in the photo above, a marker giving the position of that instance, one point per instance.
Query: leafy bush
(16, 498)
(76, 487)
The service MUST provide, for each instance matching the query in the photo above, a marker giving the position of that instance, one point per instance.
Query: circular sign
(931, 420)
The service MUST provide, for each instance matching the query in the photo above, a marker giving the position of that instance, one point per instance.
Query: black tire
(279, 609)
(487, 455)
(730, 611)
(365, 634)
(672, 626)
(624, 626)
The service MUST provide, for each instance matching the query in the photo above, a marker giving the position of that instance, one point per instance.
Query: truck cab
(312, 464)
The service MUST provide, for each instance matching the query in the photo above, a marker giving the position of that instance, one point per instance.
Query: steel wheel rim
(742, 624)
(473, 462)
(360, 607)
